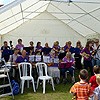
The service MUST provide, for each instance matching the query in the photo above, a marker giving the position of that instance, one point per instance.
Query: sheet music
(31, 58)
(56, 60)
(38, 58)
(46, 59)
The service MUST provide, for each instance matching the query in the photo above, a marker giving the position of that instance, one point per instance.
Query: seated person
(12, 59)
(25, 58)
(22, 58)
(14, 56)
(67, 65)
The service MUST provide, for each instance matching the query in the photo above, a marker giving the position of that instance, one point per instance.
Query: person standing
(38, 49)
(5, 50)
(46, 50)
(96, 54)
(97, 89)
(82, 90)
(31, 51)
(19, 46)
(87, 54)
(77, 55)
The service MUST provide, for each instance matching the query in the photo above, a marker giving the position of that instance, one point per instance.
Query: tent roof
(81, 15)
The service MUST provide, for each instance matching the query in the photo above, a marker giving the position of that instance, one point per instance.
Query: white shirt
(13, 57)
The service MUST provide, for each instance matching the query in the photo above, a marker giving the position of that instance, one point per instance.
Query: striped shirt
(81, 90)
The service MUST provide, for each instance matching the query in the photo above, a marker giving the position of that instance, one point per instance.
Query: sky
(5, 2)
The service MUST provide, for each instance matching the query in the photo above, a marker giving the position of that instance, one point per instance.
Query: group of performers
(90, 53)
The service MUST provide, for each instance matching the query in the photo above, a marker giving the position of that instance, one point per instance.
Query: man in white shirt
(14, 56)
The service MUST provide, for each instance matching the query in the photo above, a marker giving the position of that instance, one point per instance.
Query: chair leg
(73, 78)
(44, 86)
(27, 83)
(33, 85)
(10, 86)
(22, 88)
(52, 84)
(37, 84)
(13, 72)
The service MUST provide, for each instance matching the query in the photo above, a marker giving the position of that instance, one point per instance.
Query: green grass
(61, 92)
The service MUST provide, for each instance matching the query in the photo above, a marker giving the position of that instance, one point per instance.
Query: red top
(93, 82)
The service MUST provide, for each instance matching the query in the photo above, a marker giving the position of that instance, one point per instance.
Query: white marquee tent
(50, 20)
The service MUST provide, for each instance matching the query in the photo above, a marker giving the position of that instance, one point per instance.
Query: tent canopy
(81, 15)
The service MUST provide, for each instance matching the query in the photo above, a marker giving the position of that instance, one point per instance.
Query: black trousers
(78, 59)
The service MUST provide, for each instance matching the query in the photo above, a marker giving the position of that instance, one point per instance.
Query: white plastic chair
(43, 77)
(25, 71)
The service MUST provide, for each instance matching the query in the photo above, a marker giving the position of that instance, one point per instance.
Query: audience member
(92, 81)
(97, 89)
(82, 90)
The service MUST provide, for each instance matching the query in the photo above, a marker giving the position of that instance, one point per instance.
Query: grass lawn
(61, 92)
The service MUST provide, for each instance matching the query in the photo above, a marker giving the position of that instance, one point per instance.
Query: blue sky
(5, 1)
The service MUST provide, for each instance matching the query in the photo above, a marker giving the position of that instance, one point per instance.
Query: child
(97, 89)
(92, 81)
(82, 90)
